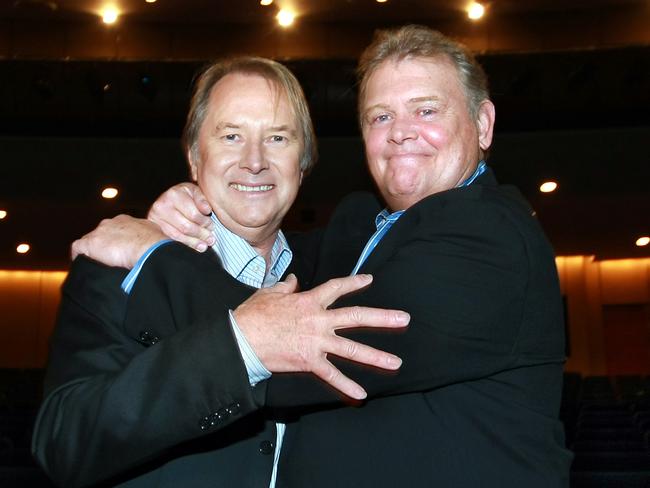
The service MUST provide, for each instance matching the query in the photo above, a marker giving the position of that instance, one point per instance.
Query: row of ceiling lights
(286, 16)
(110, 192)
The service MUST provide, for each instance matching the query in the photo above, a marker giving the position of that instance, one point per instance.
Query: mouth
(253, 189)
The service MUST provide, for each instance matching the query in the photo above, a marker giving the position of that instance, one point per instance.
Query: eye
(278, 138)
(426, 112)
(231, 137)
(378, 119)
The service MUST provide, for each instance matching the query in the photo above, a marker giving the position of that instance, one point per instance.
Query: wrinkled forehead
(400, 73)
(236, 91)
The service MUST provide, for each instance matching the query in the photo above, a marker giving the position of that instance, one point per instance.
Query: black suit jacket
(150, 389)
(476, 400)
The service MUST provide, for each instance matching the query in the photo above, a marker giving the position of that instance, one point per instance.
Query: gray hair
(416, 41)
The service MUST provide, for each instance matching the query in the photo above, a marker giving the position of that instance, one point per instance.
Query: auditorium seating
(607, 427)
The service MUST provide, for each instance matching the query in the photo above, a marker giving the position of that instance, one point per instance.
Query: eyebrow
(431, 98)
(226, 125)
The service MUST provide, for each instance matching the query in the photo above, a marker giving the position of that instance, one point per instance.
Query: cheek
(434, 136)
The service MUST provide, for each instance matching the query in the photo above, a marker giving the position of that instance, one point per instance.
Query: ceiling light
(109, 192)
(382, 1)
(643, 241)
(548, 186)
(266, 2)
(22, 248)
(475, 11)
(110, 15)
(150, 1)
(285, 17)
(3, 214)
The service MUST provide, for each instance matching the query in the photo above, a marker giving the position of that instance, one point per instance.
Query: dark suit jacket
(150, 389)
(476, 400)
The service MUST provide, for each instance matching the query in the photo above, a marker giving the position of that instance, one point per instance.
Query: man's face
(419, 135)
(249, 150)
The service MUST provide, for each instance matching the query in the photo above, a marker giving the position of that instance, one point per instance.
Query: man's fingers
(289, 285)
(173, 233)
(201, 202)
(347, 317)
(327, 372)
(331, 290)
(360, 353)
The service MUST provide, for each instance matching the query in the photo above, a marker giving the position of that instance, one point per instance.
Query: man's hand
(294, 332)
(182, 212)
(119, 241)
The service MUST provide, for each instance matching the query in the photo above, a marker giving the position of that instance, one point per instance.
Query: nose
(402, 130)
(253, 158)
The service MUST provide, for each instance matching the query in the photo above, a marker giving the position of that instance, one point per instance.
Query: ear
(485, 124)
(302, 174)
(194, 169)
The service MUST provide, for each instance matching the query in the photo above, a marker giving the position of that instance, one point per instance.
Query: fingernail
(366, 277)
(359, 393)
(402, 317)
(394, 362)
(211, 240)
(201, 247)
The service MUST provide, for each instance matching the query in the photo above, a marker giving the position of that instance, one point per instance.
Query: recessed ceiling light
(150, 1)
(3, 214)
(109, 192)
(548, 187)
(643, 241)
(382, 1)
(110, 15)
(22, 248)
(475, 11)
(266, 2)
(285, 17)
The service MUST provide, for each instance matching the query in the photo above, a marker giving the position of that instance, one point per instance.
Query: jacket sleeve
(463, 273)
(127, 378)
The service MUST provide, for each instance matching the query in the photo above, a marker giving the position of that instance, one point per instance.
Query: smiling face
(419, 134)
(249, 148)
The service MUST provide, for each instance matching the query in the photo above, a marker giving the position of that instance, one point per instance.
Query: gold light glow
(110, 15)
(643, 241)
(150, 1)
(22, 248)
(266, 2)
(3, 214)
(109, 192)
(548, 187)
(285, 17)
(382, 1)
(475, 10)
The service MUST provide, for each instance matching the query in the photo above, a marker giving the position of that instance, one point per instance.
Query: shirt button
(266, 447)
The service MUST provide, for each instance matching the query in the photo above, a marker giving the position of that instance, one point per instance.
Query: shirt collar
(242, 262)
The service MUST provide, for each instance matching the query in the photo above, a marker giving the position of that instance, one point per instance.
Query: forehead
(436, 76)
(242, 94)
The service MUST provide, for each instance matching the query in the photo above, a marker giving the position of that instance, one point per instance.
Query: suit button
(205, 423)
(145, 336)
(266, 447)
(234, 409)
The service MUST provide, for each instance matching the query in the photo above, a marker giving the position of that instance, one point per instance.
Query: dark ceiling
(83, 105)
